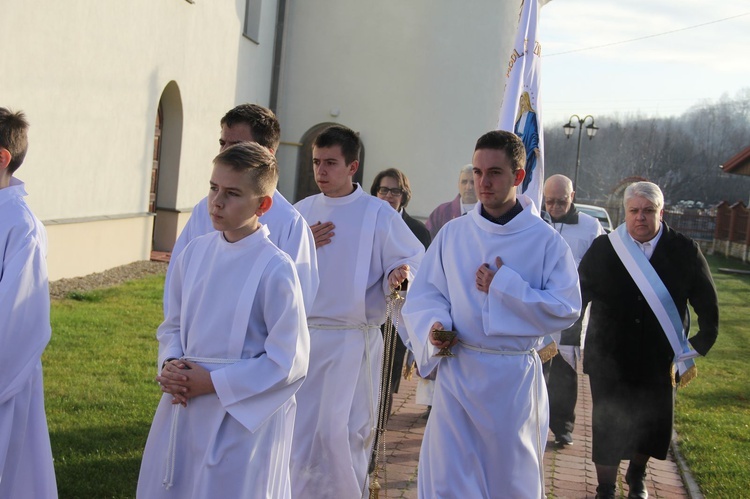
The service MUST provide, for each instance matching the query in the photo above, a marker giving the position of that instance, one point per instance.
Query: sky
(682, 53)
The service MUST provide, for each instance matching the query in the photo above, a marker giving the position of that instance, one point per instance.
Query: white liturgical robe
(235, 308)
(26, 469)
(338, 401)
(488, 427)
(288, 231)
(579, 236)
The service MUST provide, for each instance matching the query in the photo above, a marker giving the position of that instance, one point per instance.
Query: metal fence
(732, 236)
(694, 225)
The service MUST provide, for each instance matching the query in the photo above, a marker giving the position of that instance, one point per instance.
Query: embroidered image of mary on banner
(521, 108)
(527, 128)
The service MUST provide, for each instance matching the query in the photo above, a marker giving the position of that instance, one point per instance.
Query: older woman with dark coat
(628, 356)
(392, 186)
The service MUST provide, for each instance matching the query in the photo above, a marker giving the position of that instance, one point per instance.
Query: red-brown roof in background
(739, 163)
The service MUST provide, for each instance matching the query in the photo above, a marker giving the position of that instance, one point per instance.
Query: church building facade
(125, 98)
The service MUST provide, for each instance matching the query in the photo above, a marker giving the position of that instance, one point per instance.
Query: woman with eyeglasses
(392, 186)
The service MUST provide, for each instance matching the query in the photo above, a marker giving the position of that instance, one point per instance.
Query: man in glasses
(579, 230)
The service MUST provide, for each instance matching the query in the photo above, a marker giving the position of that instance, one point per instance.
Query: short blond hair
(255, 160)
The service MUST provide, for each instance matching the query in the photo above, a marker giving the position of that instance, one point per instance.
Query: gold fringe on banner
(548, 352)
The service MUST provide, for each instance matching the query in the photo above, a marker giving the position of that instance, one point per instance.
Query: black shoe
(605, 491)
(426, 414)
(635, 478)
(563, 439)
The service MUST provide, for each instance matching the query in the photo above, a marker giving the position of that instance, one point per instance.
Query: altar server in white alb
(364, 250)
(26, 469)
(503, 279)
(288, 230)
(234, 350)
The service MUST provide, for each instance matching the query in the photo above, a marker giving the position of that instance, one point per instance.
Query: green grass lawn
(100, 394)
(712, 416)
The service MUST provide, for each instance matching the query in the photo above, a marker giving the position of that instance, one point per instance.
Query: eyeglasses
(396, 191)
(558, 202)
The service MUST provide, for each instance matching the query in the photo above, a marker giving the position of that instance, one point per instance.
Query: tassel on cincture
(681, 381)
(547, 352)
(688, 376)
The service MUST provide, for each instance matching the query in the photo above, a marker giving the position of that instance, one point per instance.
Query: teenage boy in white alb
(26, 469)
(501, 278)
(234, 349)
(288, 230)
(364, 250)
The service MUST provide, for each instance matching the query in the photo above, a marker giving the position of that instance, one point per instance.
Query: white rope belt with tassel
(172, 446)
(344, 327)
(495, 351)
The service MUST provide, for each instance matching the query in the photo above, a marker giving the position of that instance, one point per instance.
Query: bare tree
(682, 154)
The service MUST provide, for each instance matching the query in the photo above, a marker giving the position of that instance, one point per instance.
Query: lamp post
(590, 131)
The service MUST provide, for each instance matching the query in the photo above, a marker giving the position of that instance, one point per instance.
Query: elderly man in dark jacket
(628, 356)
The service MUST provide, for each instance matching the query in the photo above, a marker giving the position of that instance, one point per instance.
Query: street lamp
(590, 131)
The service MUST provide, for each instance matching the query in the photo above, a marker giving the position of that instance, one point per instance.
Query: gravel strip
(63, 287)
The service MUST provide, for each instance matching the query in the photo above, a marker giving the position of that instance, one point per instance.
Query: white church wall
(89, 76)
(420, 80)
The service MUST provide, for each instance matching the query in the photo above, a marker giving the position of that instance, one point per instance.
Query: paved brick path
(569, 472)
